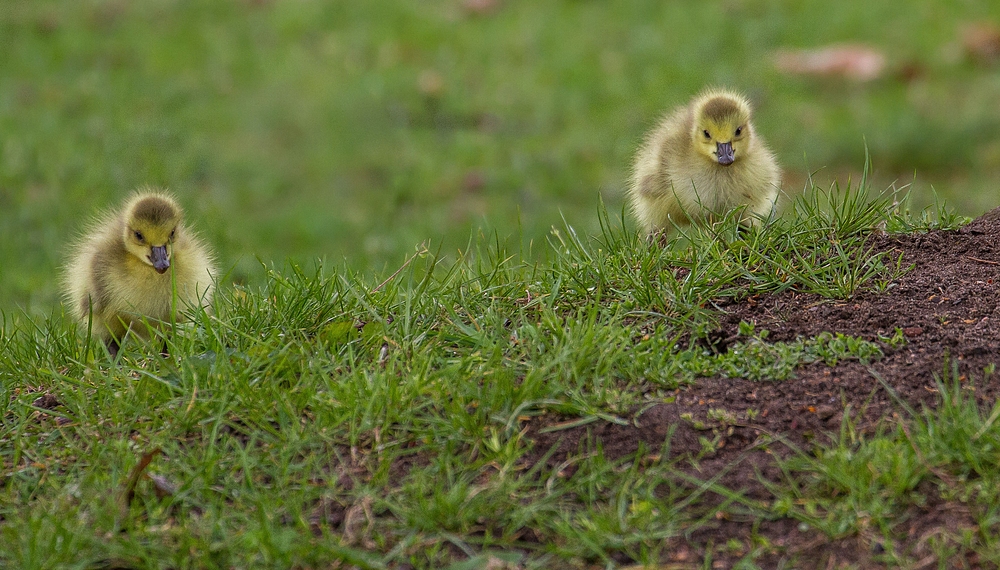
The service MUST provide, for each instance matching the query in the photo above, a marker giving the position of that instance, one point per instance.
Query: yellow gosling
(702, 159)
(124, 269)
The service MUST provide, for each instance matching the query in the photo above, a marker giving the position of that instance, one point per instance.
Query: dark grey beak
(159, 258)
(725, 154)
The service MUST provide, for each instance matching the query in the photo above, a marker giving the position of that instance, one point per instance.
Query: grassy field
(459, 175)
(325, 416)
(358, 130)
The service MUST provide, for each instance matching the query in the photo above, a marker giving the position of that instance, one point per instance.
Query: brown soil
(946, 306)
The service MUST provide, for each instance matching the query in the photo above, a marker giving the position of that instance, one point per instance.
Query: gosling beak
(725, 154)
(159, 258)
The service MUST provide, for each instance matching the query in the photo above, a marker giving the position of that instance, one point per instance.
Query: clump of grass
(821, 246)
(758, 360)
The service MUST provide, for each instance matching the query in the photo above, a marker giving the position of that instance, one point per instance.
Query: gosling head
(152, 224)
(721, 129)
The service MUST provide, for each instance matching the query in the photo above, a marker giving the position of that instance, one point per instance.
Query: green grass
(942, 458)
(340, 410)
(300, 129)
(331, 415)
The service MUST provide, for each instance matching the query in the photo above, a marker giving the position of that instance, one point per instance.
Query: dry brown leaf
(46, 402)
(358, 516)
(162, 487)
(981, 41)
(480, 7)
(851, 61)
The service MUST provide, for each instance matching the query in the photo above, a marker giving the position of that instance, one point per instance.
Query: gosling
(704, 159)
(122, 273)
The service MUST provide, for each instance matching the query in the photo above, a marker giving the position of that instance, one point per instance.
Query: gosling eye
(739, 131)
(138, 235)
(172, 232)
(707, 135)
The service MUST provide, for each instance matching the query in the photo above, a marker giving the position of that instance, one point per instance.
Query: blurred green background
(357, 129)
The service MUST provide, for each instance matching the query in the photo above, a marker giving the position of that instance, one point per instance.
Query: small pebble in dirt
(913, 331)
(825, 412)
(803, 527)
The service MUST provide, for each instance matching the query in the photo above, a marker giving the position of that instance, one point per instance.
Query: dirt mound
(947, 308)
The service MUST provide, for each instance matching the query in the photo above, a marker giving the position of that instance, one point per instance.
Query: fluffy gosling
(704, 159)
(123, 271)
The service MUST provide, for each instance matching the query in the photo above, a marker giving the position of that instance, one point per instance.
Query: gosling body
(704, 159)
(123, 272)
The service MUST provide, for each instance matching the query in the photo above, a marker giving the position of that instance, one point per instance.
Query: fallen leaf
(46, 402)
(851, 61)
(473, 181)
(162, 487)
(981, 41)
(480, 7)
(356, 517)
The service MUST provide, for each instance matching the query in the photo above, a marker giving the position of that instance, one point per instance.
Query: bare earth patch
(947, 308)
